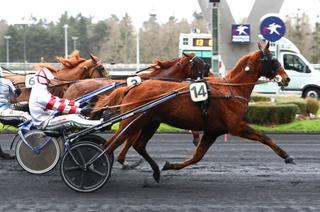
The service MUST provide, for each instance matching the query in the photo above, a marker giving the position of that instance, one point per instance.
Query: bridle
(199, 72)
(99, 68)
(270, 65)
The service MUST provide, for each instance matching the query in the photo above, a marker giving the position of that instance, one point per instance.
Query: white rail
(115, 69)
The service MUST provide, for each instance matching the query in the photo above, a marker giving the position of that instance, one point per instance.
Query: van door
(297, 69)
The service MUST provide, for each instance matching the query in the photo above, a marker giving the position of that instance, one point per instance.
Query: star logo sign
(240, 33)
(272, 28)
(241, 30)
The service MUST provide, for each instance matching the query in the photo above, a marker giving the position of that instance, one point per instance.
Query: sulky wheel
(79, 173)
(43, 158)
(98, 140)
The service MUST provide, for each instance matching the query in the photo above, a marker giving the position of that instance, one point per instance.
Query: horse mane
(73, 60)
(155, 70)
(46, 65)
(239, 65)
(167, 63)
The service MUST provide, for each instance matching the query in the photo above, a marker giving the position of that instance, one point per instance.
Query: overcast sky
(14, 10)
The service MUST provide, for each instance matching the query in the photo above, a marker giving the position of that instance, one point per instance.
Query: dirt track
(234, 176)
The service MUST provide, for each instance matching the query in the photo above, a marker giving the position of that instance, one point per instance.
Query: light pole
(138, 49)
(66, 40)
(7, 37)
(215, 37)
(74, 42)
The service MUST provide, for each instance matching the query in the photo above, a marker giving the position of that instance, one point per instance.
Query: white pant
(24, 116)
(70, 120)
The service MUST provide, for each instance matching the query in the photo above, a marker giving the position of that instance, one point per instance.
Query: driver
(8, 91)
(43, 105)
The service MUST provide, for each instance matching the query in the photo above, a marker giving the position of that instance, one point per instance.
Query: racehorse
(85, 86)
(175, 69)
(187, 66)
(74, 68)
(226, 112)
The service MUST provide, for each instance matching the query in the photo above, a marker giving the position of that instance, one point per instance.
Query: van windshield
(295, 63)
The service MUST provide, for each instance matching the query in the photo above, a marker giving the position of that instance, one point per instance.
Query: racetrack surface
(237, 175)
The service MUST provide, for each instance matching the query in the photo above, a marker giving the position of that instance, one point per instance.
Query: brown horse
(187, 66)
(226, 112)
(175, 69)
(74, 68)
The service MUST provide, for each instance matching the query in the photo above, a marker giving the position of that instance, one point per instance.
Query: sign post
(215, 37)
(272, 28)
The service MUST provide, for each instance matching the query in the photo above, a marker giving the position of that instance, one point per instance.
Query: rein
(164, 94)
(240, 84)
(137, 102)
(144, 69)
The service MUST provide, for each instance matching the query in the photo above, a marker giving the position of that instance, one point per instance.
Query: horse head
(271, 67)
(198, 68)
(94, 67)
(187, 66)
(259, 63)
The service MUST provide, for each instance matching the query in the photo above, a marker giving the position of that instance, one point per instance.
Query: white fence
(114, 70)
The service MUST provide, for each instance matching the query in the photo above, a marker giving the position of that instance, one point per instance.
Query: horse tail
(100, 103)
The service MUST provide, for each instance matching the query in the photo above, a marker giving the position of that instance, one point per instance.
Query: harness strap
(147, 68)
(204, 105)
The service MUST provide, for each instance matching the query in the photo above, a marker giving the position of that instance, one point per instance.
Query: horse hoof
(156, 176)
(7, 156)
(195, 142)
(289, 160)
(126, 166)
(167, 166)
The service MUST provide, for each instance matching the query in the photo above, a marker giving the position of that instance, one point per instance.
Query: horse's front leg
(140, 146)
(202, 148)
(246, 131)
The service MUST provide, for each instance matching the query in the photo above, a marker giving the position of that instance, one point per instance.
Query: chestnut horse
(85, 86)
(226, 112)
(74, 68)
(175, 69)
(185, 67)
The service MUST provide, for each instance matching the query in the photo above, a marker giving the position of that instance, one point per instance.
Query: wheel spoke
(81, 156)
(93, 159)
(72, 168)
(82, 179)
(101, 174)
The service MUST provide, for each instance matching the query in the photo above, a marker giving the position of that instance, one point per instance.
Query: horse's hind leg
(245, 131)
(124, 151)
(140, 147)
(126, 129)
(196, 137)
(202, 148)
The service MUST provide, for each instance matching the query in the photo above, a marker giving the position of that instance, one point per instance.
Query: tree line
(114, 39)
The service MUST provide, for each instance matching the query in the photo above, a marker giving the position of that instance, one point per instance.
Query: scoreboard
(198, 43)
(202, 42)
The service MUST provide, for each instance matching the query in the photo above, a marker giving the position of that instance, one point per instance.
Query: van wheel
(311, 92)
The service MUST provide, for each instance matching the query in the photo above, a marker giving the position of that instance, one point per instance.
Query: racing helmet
(44, 76)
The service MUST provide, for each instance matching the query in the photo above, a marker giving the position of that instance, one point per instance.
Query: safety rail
(114, 69)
